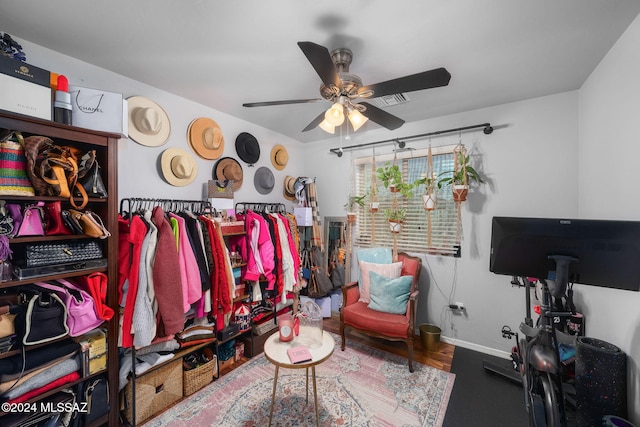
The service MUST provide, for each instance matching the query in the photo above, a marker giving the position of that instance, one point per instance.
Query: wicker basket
(155, 391)
(195, 379)
(265, 327)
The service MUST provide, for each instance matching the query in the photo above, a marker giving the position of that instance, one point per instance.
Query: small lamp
(327, 127)
(335, 115)
(357, 119)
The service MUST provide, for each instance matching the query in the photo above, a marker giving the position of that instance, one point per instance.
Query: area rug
(361, 386)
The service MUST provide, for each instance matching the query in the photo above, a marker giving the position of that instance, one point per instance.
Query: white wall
(609, 149)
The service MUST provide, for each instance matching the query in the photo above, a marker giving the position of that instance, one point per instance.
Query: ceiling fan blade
(425, 80)
(286, 102)
(381, 117)
(315, 122)
(321, 61)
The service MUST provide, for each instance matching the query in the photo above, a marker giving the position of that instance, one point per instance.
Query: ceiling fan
(343, 88)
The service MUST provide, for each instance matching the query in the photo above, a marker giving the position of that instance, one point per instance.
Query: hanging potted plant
(391, 177)
(352, 206)
(461, 177)
(396, 217)
(429, 197)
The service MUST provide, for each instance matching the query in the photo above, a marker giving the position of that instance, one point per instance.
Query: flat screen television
(607, 252)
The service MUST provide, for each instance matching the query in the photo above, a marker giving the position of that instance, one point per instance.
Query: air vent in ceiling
(389, 100)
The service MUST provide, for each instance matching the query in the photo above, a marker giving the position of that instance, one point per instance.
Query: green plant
(391, 175)
(352, 201)
(395, 214)
(457, 178)
(428, 182)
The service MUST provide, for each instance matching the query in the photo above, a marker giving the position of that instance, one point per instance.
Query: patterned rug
(361, 386)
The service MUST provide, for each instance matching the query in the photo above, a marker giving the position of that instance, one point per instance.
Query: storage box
(255, 345)
(99, 110)
(197, 378)
(155, 391)
(304, 218)
(239, 350)
(226, 364)
(25, 88)
(97, 364)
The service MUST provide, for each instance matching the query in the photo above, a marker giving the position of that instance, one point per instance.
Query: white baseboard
(476, 347)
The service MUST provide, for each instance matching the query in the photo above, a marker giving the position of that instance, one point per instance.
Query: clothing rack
(401, 140)
(134, 204)
(260, 207)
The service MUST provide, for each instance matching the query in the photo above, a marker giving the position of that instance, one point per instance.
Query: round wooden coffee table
(276, 353)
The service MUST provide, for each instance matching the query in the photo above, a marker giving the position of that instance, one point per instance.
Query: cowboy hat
(279, 157)
(263, 180)
(247, 148)
(228, 168)
(205, 138)
(149, 124)
(289, 192)
(179, 168)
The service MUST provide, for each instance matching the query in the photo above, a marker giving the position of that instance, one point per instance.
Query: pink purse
(81, 309)
(32, 221)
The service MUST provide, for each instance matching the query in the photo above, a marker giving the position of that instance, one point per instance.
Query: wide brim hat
(149, 124)
(263, 180)
(247, 148)
(279, 157)
(228, 168)
(289, 191)
(205, 138)
(178, 166)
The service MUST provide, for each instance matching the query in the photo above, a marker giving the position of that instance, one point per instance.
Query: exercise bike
(538, 356)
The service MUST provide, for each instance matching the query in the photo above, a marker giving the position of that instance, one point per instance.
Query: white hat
(179, 168)
(149, 124)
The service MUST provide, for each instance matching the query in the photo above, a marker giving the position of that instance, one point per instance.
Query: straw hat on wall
(206, 139)
(179, 168)
(228, 168)
(279, 157)
(149, 124)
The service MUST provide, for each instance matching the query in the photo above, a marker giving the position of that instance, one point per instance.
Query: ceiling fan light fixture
(335, 115)
(357, 119)
(327, 127)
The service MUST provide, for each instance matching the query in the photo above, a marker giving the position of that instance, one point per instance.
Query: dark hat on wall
(228, 168)
(247, 148)
(263, 180)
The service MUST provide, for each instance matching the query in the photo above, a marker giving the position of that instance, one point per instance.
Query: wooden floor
(440, 360)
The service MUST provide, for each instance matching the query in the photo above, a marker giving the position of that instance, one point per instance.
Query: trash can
(430, 338)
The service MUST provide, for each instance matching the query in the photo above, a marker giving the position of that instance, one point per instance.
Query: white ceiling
(226, 53)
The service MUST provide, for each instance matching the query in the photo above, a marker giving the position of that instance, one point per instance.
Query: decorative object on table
(179, 168)
(149, 124)
(300, 354)
(263, 180)
(90, 176)
(205, 138)
(285, 327)
(228, 169)
(247, 148)
(310, 315)
(13, 165)
(279, 157)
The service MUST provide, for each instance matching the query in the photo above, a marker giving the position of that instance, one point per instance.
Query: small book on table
(299, 354)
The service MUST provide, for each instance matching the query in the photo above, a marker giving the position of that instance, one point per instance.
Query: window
(373, 230)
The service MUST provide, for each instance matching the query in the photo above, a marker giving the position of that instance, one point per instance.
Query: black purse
(95, 393)
(42, 319)
(89, 176)
(50, 253)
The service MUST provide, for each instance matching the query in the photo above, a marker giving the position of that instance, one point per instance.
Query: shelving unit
(106, 145)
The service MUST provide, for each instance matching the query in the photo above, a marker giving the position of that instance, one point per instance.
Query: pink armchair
(393, 327)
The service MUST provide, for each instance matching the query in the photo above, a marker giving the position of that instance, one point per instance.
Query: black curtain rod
(400, 141)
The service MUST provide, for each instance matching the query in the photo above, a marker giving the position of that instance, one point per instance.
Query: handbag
(43, 319)
(320, 284)
(53, 169)
(13, 167)
(91, 223)
(95, 393)
(53, 219)
(32, 221)
(89, 176)
(6, 221)
(71, 222)
(96, 285)
(49, 253)
(15, 212)
(81, 309)
(7, 318)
